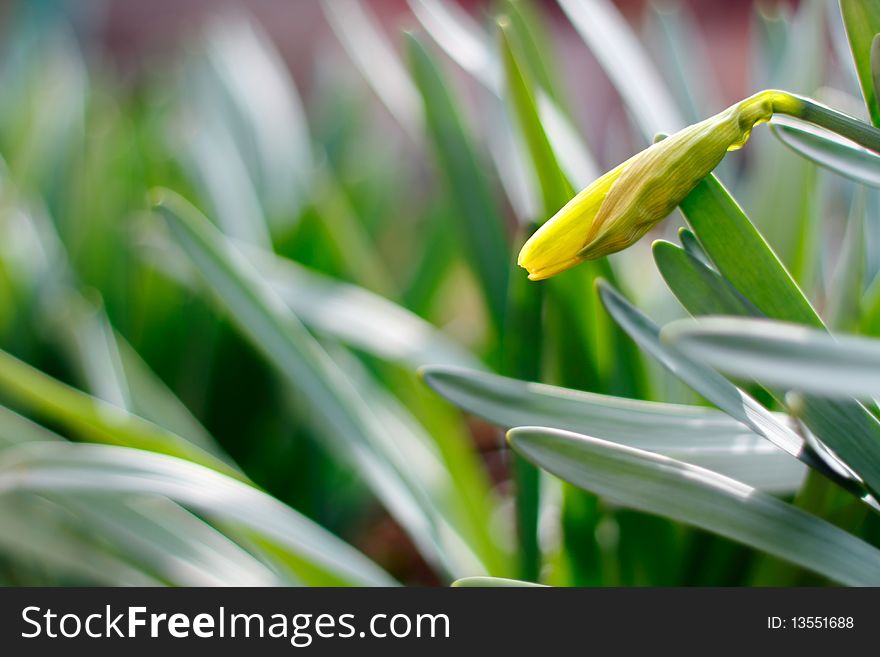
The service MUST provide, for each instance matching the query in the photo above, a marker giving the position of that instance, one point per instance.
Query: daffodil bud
(618, 208)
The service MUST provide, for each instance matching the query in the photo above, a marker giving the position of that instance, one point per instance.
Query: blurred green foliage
(231, 288)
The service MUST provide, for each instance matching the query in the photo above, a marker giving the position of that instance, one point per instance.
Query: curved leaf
(491, 582)
(702, 436)
(663, 486)
(829, 150)
(71, 469)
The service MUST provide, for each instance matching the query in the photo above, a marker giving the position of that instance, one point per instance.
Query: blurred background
(368, 159)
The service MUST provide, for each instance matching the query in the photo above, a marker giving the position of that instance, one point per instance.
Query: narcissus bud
(618, 208)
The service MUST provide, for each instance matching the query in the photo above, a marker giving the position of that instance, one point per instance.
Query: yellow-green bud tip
(618, 208)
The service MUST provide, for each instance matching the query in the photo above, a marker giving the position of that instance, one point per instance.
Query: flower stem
(847, 126)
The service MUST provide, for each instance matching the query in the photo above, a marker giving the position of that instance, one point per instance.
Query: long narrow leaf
(656, 484)
(742, 255)
(479, 219)
(95, 419)
(702, 436)
(343, 415)
(861, 18)
(829, 150)
(795, 358)
(786, 355)
(619, 52)
(71, 469)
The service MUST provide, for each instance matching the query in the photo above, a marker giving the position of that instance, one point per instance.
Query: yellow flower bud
(618, 208)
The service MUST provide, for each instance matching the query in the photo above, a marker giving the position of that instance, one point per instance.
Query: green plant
(218, 384)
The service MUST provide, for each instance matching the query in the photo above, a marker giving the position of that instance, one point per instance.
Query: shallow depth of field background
(302, 128)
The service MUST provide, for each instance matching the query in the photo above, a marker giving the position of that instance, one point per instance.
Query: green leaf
(36, 530)
(659, 485)
(861, 18)
(692, 245)
(698, 435)
(536, 46)
(531, 52)
(870, 310)
(381, 443)
(491, 582)
(742, 256)
(95, 419)
(714, 387)
(875, 65)
(15, 429)
(79, 469)
(165, 538)
(262, 116)
(480, 223)
(555, 187)
(781, 188)
(780, 354)
(359, 33)
(108, 367)
(357, 317)
(346, 237)
(684, 59)
(154, 401)
(213, 161)
(468, 45)
(844, 295)
(801, 359)
(460, 37)
(829, 150)
(621, 56)
(701, 290)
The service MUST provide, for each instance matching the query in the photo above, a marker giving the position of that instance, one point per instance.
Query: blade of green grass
(702, 436)
(801, 359)
(107, 365)
(357, 317)
(701, 290)
(95, 419)
(693, 495)
(160, 538)
(359, 33)
(490, 582)
(480, 222)
(80, 469)
(715, 387)
(686, 60)
(790, 356)
(37, 531)
(15, 429)
(629, 68)
(169, 540)
(782, 188)
(264, 111)
(742, 255)
(468, 45)
(847, 284)
(210, 156)
(152, 400)
(460, 37)
(744, 258)
(829, 150)
(861, 18)
(554, 185)
(692, 245)
(343, 415)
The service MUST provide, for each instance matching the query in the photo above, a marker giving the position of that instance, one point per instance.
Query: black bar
(503, 620)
